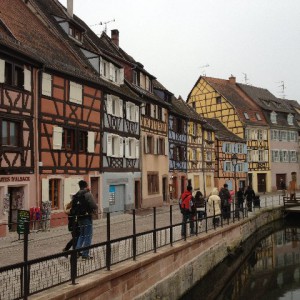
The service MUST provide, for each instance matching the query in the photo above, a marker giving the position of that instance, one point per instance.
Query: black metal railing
(31, 276)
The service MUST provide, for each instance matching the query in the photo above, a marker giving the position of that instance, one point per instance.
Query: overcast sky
(176, 40)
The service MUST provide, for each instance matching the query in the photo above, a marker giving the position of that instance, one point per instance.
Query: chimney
(115, 36)
(232, 79)
(70, 8)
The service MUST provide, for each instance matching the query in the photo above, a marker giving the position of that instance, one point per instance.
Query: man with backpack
(83, 206)
(225, 201)
(187, 209)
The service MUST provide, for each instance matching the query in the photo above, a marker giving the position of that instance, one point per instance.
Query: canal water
(266, 266)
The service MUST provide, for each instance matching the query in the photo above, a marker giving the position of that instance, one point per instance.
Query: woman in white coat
(214, 206)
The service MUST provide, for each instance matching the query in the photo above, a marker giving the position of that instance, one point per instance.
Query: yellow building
(224, 100)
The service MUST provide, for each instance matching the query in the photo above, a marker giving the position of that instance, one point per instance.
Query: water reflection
(268, 268)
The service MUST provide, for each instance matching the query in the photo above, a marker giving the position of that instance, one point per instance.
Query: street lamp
(234, 160)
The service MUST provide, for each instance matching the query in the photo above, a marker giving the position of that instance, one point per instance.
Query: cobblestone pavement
(42, 243)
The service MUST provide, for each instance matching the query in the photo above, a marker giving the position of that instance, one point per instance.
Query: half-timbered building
(284, 147)
(18, 70)
(178, 164)
(226, 145)
(153, 124)
(225, 101)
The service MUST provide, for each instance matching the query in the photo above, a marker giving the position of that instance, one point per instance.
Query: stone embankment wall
(170, 272)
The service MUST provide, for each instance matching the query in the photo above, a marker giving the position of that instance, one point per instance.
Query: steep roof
(37, 34)
(264, 98)
(240, 101)
(222, 133)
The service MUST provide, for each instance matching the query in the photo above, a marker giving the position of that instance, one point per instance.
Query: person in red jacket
(187, 209)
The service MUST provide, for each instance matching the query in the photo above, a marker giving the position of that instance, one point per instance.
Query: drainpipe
(203, 171)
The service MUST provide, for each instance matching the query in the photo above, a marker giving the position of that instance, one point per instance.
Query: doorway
(278, 177)
(165, 189)
(261, 182)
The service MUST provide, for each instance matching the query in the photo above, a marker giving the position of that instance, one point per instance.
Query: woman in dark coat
(249, 195)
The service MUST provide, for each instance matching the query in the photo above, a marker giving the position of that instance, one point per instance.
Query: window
(161, 146)
(148, 84)
(284, 155)
(258, 117)
(10, 133)
(68, 139)
(54, 193)
(208, 181)
(132, 112)
(193, 129)
(75, 33)
(115, 146)
(135, 78)
(283, 135)
(246, 115)
(131, 148)
(209, 136)
(153, 183)
(275, 134)
(259, 134)
(290, 119)
(240, 148)
(218, 100)
(293, 136)
(208, 156)
(71, 139)
(273, 117)
(178, 154)
(227, 147)
(194, 154)
(114, 106)
(82, 141)
(240, 167)
(249, 155)
(149, 144)
(178, 125)
(194, 105)
(275, 156)
(293, 156)
(227, 166)
(75, 92)
(15, 75)
(262, 155)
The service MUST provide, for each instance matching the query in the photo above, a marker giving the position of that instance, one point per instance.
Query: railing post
(134, 234)
(233, 210)
(154, 229)
(214, 218)
(26, 267)
(73, 259)
(108, 245)
(171, 225)
(206, 217)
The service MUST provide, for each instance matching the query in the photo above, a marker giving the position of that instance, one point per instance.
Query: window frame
(153, 183)
(17, 133)
(55, 187)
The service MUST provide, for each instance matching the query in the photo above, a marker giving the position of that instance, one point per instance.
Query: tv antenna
(103, 23)
(283, 87)
(246, 78)
(203, 67)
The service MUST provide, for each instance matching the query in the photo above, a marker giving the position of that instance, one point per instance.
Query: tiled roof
(241, 102)
(43, 40)
(264, 98)
(222, 133)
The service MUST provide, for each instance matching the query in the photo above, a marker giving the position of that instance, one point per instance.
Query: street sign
(23, 216)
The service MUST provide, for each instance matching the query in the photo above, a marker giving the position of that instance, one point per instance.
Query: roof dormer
(290, 119)
(273, 117)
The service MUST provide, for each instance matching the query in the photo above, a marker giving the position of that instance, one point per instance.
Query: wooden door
(261, 183)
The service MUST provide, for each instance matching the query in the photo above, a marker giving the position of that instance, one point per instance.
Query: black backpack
(80, 206)
(224, 195)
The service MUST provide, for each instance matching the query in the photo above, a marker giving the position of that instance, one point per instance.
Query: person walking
(225, 201)
(187, 209)
(240, 200)
(282, 186)
(84, 206)
(249, 195)
(200, 207)
(214, 206)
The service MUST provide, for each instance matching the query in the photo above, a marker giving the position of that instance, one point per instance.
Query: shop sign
(14, 178)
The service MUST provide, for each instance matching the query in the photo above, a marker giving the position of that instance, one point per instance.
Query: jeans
(187, 216)
(86, 233)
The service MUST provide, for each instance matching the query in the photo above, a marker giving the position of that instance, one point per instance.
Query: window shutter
(2, 71)
(152, 110)
(266, 155)
(245, 167)
(47, 84)
(109, 145)
(127, 111)
(27, 79)
(198, 155)
(163, 116)
(137, 148)
(121, 76)
(75, 92)
(109, 104)
(45, 189)
(143, 109)
(121, 108)
(166, 146)
(57, 137)
(111, 71)
(156, 111)
(91, 142)
(127, 147)
(245, 148)
(137, 114)
(265, 134)
(121, 153)
(155, 145)
(224, 147)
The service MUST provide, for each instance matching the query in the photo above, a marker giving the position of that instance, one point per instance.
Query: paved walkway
(42, 243)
